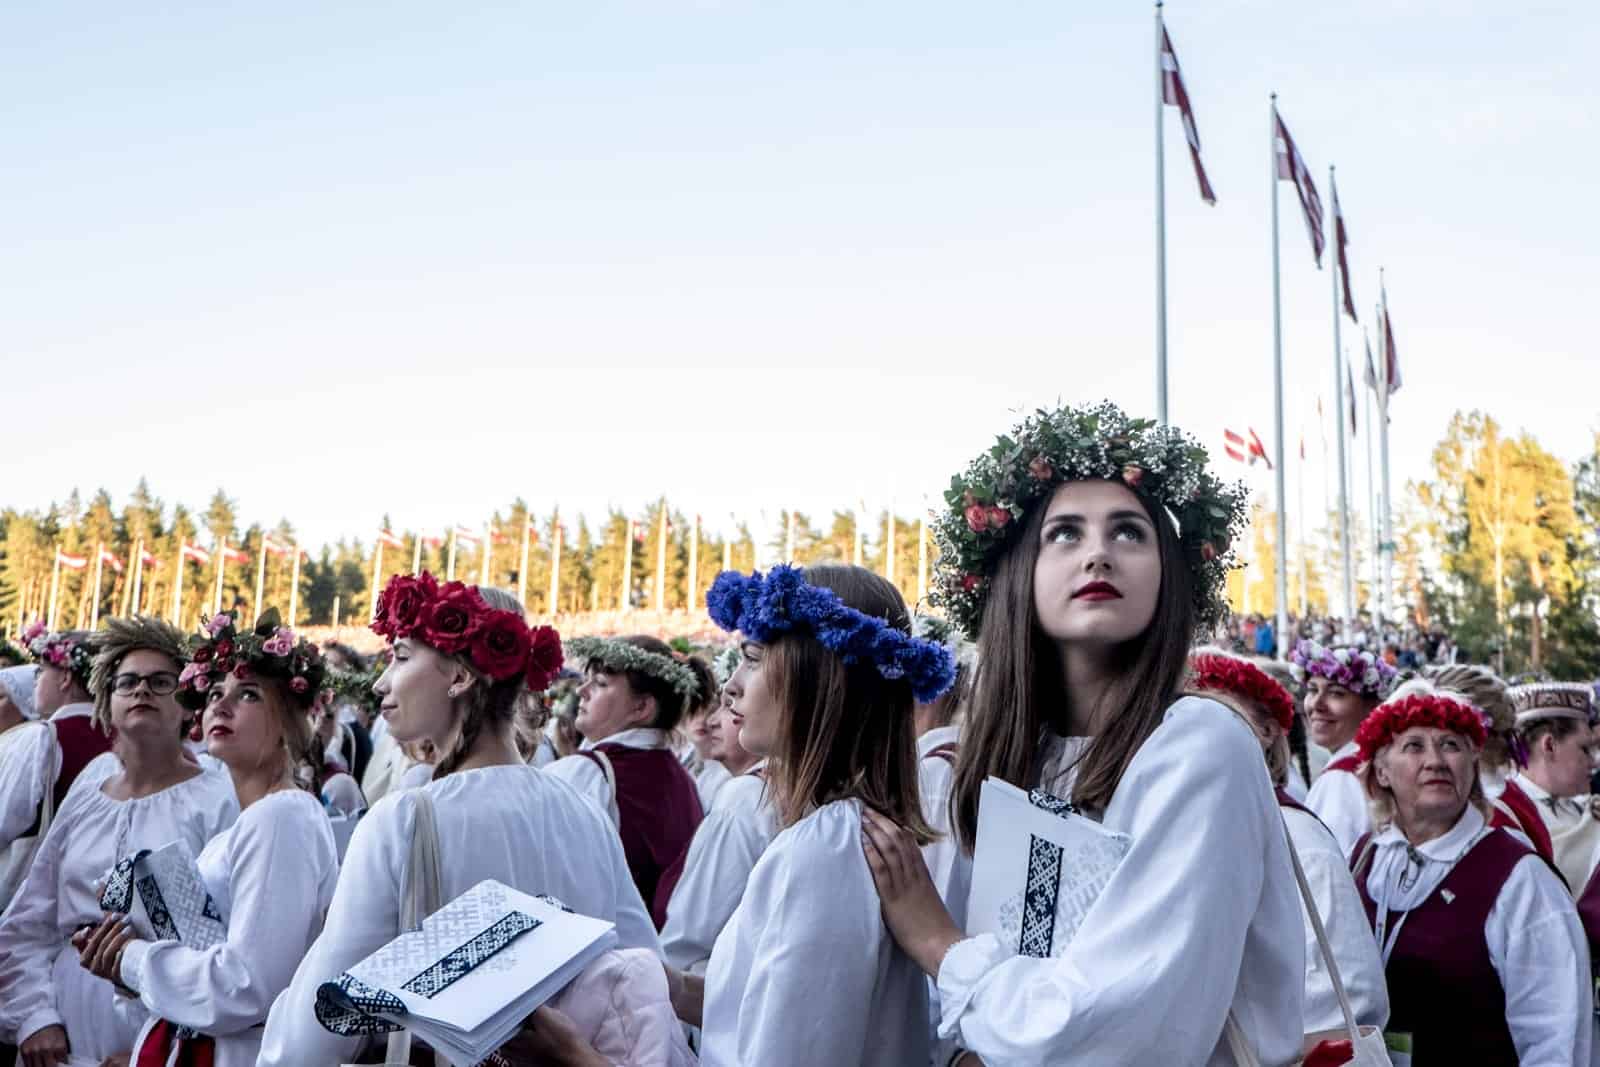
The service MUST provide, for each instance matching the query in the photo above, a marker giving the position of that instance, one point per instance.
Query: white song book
(161, 892)
(465, 981)
(1038, 868)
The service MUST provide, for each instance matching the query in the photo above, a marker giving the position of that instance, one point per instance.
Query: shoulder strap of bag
(420, 895)
(609, 773)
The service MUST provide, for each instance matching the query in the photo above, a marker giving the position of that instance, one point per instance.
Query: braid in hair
(487, 703)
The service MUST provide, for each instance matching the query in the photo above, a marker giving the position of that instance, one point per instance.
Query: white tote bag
(1366, 1042)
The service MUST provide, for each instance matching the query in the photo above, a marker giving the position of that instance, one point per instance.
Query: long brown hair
(1018, 692)
(845, 730)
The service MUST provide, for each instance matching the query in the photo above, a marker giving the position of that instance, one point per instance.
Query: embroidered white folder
(162, 893)
(465, 981)
(1037, 869)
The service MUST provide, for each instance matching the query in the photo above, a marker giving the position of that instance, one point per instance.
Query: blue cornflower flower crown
(764, 607)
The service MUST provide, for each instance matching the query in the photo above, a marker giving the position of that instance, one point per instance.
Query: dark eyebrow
(1115, 516)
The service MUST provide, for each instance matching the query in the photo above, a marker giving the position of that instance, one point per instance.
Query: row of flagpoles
(1287, 165)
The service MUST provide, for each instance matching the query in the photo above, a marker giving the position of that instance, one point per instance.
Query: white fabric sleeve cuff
(959, 973)
(131, 967)
(37, 1021)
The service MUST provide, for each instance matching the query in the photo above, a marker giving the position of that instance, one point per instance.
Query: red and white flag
(1242, 449)
(466, 537)
(1258, 450)
(390, 539)
(194, 552)
(273, 548)
(148, 558)
(433, 542)
(72, 563)
(1341, 239)
(1175, 95)
(1292, 168)
(1392, 361)
(107, 558)
(234, 555)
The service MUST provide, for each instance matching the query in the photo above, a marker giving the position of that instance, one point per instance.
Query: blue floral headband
(763, 607)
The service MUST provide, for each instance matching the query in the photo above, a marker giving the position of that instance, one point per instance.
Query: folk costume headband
(1229, 674)
(1420, 709)
(455, 619)
(765, 607)
(615, 654)
(71, 652)
(1552, 700)
(1071, 444)
(270, 650)
(1356, 669)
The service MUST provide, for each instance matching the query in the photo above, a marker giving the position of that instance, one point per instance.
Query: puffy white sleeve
(30, 937)
(1338, 800)
(584, 775)
(1355, 950)
(22, 780)
(1152, 970)
(364, 916)
(724, 851)
(817, 931)
(1538, 949)
(278, 862)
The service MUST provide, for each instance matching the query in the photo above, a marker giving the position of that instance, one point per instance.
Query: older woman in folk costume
(1484, 953)
(1343, 686)
(1268, 707)
(462, 656)
(735, 832)
(48, 1001)
(634, 694)
(271, 874)
(41, 763)
(1083, 552)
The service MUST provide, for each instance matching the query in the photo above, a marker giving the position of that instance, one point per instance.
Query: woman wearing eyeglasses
(49, 1004)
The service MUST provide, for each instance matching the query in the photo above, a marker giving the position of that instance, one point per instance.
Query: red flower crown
(1230, 674)
(455, 619)
(1420, 709)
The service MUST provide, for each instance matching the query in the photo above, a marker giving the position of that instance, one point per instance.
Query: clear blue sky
(747, 254)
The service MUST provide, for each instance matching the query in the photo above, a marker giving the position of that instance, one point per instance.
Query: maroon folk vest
(81, 741)
(658, 808)
(1443, 989)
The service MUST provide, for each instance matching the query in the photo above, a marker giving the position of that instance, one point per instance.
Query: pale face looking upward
(416, 692)
(1334, 713)
(1430, 772)
(752, 705)
(608, 705)
(142, 714)
(1099, 568)
(241, 724)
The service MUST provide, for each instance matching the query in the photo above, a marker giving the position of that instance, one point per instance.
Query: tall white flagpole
(261, 576)
(94, 606)
(138, 578)
(1347, 566)
(922, 554)
(416, 553)
(661, 559)
(1281, 555)
(694, 564)
(177, 587)
(1300, 520)
(55, 587)
(1161, 230)
(555, 563)
(1372, 489)
(294, 583)
(1386, 546)
(522, 562)
(377, 571)
(450, 557)
(627, 568)
(486, 560)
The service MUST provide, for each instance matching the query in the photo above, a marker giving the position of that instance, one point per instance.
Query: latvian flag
(149, 558)
(1392, 361)
(1341, 239)
(72, 563)
(1175, 95)
(273, 548)
(390, 539)
(1245, 450)
(107, 558)
(234, 555)
(1292, 168)
(465, 536)
(194, 552)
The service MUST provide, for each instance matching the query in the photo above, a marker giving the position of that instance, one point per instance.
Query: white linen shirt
(271, 875)
(29, 765)
(511, 823)
(41, 981)
(1536, 943)
(724, 851)
(1574, 832)
(1200, 919)
(1340, 802)
(950, 868)
(805, 974)
(1344, 919)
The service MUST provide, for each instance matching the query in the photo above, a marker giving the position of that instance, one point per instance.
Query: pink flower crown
(60, 650)
(455, 619)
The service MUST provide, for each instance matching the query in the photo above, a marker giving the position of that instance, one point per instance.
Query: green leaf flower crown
(1071, 444)
(617, 655)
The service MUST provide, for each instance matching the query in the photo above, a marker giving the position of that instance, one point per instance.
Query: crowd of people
(1365, 853)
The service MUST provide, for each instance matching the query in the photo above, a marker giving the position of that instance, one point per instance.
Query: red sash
(163, 1041)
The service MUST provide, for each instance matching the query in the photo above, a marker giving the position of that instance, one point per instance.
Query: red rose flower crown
(1229, 674)
(1391, 720)
(455, 619)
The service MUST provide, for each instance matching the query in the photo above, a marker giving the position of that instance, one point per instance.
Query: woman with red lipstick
(1485, 957)
(1083, 552)
(270, 875)
(1343, 685)
(51, 1005)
